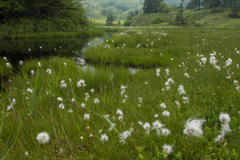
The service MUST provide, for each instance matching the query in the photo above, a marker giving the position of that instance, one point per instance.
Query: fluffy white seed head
(43, 137)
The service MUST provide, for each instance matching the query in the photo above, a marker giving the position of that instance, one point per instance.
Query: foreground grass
(210, 91)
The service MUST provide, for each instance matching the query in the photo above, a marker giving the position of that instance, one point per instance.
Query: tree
(235, 7)
(179, 19)
(194, 4)
(163, 8)
(151, 6)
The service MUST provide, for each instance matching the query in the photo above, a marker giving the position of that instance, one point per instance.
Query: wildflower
(82, 105)
(157, 125)
(81, 137)
(158, 72)
(112, 126)
(65, 64)
(119, 112)
(26, 153)
(73, 100)
(146, 83)
(181, 90)
(228, 62)
(86, 116)
(186, 75)
(204, 60)
(163, 105)
(140, 99)
(81, 83)
(185, 99)
(123, 136)
(156, 116)
(177, 103)
(170, 81)
(29, 90)
(167, 72)
(167, 149)
(165, 132)
(86, 96)
(63, 84)
(59, 99)
(166, 113)
(39, 64)
(61, 106)
(96, 101)
(32, 72)
(5, 58)
(92, 90)
(43, 137)
(224, 118)
(120, 118)
(8, 65)
(147, 127)
(104, 138)
(194, 127)
(70, 111)
(49, 71)
(20, 63)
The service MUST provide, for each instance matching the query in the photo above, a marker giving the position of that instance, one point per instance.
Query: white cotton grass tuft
(224, 119)
(43, 137)
(147, 128)
(194, 127)
(181, 90)
(104, 138)
(86, 116)
(166, 113)
(167, 149)
(119, 112)
(123, 136)
(163, 105)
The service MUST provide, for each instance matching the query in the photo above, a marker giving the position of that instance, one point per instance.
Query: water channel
(27, 49)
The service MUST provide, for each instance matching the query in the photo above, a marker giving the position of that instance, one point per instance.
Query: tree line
(41, 9)
(154, 6)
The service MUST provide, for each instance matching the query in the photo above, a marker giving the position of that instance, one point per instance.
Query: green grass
(199, 18)
(209, 92)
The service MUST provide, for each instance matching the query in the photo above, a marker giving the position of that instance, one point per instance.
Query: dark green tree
(235, 9)
(151, 6)
(194, 4)
(179, 19)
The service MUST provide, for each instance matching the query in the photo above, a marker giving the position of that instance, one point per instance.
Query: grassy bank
(207, 18)
(125, 103)
(152, 47)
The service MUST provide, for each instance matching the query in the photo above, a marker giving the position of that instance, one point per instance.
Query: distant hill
(98, 9)
(204, 18)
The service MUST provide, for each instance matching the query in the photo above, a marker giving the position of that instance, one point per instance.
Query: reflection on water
(21, 49)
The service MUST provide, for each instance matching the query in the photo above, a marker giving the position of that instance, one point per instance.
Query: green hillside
(205, 18)
(98, 9)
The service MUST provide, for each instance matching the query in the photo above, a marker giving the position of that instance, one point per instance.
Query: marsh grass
(209, 92)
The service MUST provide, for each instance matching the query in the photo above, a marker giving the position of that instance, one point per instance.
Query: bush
(157, 20)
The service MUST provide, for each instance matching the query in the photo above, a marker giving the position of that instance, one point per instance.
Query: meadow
(142, 94)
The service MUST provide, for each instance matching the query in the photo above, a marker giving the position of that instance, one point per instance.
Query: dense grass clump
(109, 112)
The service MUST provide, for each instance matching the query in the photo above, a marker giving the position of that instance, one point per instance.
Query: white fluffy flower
(204, 60)
(104, 138)
(81, 83)
(39, 64)
(8, 65)
(82, 105)
(123, 136)
(96, 101)
(228, 62)
(86, 116)
(49, 71)
(186, 75)
(181, 90)
(224, 118)
(163, 105)
(43, 137)
(157, 125)
(59, 99)
(194, 127)
(165, 132)
(32, 72)
(119, 112)
(61, 106)
(29, 90)
(20, 63)
(167, 149)
(166, 113)
(147, 128)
